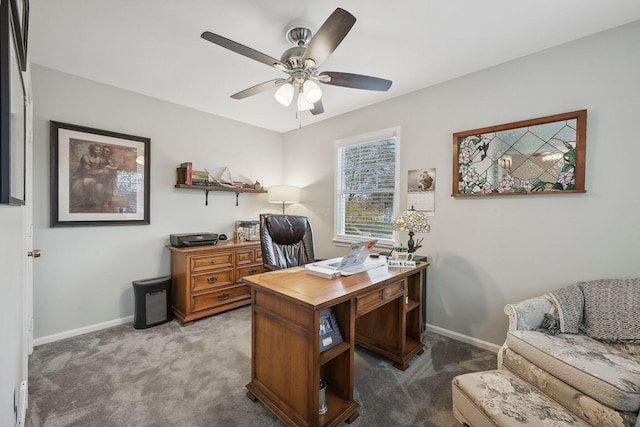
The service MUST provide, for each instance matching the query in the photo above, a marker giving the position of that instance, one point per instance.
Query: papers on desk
(326, 272)
(332, 273)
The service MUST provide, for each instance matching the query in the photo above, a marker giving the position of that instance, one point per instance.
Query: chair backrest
(286, 241)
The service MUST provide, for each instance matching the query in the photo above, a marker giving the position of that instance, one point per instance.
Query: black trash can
(152, 302)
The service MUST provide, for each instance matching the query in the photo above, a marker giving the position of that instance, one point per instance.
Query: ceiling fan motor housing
(299, 36)
(293, 57)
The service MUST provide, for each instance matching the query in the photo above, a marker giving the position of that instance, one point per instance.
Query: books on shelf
(329, 330)
(188, 173)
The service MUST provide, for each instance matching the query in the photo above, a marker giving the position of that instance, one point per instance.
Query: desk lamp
(412, 221)
(283, 194)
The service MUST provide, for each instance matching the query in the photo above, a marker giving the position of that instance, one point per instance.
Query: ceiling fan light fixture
(284, 95)
(303, 104)
(312, 92)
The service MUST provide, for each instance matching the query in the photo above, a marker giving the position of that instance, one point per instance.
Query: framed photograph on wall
(13, 111)
(20, 19)
(98, 177)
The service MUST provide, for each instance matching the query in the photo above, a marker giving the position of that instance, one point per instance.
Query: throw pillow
(569, 303)
(550, 325)
(612, 309)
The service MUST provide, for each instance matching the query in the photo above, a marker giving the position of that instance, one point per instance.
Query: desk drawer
(393, 290)
(218, 298)
(215, 260)
(378, 297)
(211, 280)
(369, 301)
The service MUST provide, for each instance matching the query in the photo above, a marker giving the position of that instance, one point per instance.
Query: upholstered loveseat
(580, 346)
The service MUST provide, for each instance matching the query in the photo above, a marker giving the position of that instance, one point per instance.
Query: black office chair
(286, 241)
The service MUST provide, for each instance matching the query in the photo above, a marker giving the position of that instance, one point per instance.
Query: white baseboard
(464, 338)
(80, 331)
(20, 403)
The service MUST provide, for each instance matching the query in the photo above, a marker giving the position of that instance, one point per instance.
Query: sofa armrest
(528, 314)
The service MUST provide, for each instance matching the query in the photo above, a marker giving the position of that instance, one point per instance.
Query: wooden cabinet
(378, 309)
(208, 279)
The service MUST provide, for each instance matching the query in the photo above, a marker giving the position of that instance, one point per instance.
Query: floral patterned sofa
(580, 346)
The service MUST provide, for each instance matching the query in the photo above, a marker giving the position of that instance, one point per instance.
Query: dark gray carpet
(196, 376)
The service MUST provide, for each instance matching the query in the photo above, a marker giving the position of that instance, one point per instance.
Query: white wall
(489, 251)
(485, 252)
(11, 309)
(84, 275)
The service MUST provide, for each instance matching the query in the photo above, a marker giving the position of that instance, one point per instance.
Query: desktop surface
(316, 291)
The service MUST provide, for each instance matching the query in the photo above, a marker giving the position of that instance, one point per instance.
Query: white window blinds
(366, 189)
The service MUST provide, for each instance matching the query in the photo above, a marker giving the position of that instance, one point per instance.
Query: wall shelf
(207, 188)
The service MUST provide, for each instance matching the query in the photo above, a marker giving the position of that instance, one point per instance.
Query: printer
(193, 239)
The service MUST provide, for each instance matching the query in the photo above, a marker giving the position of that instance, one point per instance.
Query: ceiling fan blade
(242, 49)
(259, 88)
(356, 81)
(329, 36)
(318, 108)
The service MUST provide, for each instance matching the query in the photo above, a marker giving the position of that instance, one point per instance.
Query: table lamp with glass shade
(412, 221)
(283, 194)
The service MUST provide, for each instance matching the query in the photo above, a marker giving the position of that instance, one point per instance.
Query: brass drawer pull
(253, 271)
(223, 296)
(212, 279)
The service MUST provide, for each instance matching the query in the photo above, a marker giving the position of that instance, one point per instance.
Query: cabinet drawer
(244, 257)
(248, 271)
(217, 298)
(205, 262)
(249, 256)
(211, 279)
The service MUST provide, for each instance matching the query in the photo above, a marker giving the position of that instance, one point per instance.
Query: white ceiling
(154, 47)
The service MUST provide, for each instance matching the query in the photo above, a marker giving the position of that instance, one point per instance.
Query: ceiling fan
(302, 63)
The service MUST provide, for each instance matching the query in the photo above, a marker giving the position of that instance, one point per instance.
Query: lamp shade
(312, 92)
(284, 94)
(303, 104)
(412, 220)
(283, 194)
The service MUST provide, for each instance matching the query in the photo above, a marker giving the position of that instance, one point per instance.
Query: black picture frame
(98, 177)
(20, 21)
(330, 335)
(13, 109)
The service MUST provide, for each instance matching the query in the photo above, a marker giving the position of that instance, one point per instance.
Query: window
(366, 186)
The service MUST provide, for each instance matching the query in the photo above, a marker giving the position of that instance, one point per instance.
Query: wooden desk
(378, 309)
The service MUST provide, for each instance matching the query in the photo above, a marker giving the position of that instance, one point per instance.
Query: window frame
(339, 237)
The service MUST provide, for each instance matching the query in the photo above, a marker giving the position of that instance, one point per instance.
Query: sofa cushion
(499, 398)
(569, 303)
(587, 408)
(612, 309)
(596, 369)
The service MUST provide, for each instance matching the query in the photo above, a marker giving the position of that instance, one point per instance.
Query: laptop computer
(354, 259)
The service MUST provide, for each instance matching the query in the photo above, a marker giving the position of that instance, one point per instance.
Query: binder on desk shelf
(329, 330)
